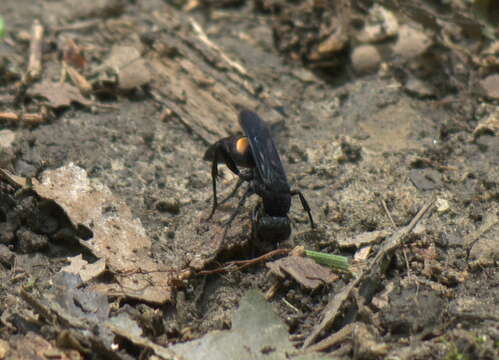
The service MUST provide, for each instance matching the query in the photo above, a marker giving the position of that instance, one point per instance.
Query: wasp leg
(220, 154)
(243, 176)
(214, 175)
(247, 194)
(305, 205)
(234, 191)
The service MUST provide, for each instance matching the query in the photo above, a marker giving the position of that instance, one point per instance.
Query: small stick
(409, 274)
(269, 295)
(242, 264)
(388, 213)
(290, 305)
(83, 25)
(333, 339)
(78, 79)
(35, 51)
(31, 119)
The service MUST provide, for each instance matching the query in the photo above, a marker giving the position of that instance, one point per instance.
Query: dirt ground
(391, 135)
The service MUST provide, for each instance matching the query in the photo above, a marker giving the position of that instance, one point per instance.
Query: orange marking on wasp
(242, 145)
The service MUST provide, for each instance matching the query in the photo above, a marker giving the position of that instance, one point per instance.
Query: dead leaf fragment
(304, 270)
(362, 253)
(115, 235)
(257, 332)
(58, 94)
(130, 66)
(86, 271)
(33, 346)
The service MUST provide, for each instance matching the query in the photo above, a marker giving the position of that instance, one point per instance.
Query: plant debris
(304, 270)
(58, 94)
(130, 67)
(110, 232)
(86, 271)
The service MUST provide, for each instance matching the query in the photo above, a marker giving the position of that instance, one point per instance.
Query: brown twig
(79, 80)
(242, 264)
(404, 251)
(83, 25)
(30, 119)
(269, 295)
(383, 203)
(344, 333)
(35, 52)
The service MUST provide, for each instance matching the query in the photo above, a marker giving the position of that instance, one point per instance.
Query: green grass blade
(333, 261)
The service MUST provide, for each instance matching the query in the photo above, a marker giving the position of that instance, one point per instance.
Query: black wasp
(265, 174)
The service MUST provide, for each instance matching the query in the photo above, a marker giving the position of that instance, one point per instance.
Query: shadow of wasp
(257, 153)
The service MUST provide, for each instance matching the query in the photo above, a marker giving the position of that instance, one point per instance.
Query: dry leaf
(58, 94)
(130, 67)
(114, 234)
(86, 271)
(304, 270)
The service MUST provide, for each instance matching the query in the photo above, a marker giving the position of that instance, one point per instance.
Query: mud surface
(366, 151)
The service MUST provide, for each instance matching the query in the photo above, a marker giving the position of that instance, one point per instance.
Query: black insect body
(270, 227)
(257, 152)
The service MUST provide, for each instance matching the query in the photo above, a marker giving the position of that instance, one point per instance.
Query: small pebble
(365, 59)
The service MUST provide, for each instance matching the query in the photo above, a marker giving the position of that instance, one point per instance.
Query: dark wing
(264, 152)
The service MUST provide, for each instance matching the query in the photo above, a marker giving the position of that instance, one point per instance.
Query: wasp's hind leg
(247, 194)
(234, 191)
(245, 176)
